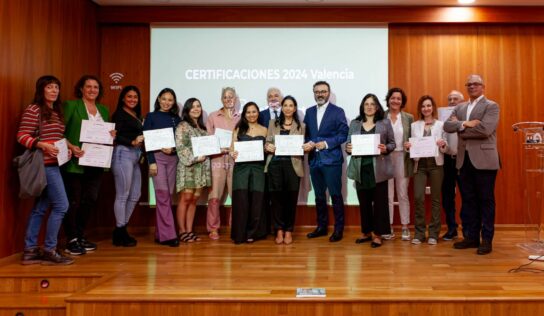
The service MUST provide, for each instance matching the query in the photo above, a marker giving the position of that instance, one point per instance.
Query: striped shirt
(52, 131)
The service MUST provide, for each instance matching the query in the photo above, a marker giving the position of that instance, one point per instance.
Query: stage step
(51, 304)
(45, 283)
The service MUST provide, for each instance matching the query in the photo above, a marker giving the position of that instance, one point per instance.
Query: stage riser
(34, 284)
(33, 312)
(306, 308)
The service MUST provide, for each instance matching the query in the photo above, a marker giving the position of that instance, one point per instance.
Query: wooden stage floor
(220, 278)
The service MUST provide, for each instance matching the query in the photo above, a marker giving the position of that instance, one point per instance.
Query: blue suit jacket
(264, 117)
(333, 130)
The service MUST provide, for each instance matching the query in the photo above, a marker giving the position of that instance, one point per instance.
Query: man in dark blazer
(477, 159)
(273, 100)
(326, 131)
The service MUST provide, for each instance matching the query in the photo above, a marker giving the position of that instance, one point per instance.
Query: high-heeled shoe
(288, 239)
(376, 242)
(279, 237)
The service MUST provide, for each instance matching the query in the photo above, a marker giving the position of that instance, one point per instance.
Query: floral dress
(190, 174)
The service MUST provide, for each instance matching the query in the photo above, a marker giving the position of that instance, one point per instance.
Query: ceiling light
(466, 1)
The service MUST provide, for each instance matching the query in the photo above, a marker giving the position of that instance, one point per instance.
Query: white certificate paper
(444, 113)
(249, 150)
(62, 156)
(365, 145)
(289, 145)
(225, 137)
(157, 139)
(423, 147)
(96, 155)
(96, 132)
(205, 145)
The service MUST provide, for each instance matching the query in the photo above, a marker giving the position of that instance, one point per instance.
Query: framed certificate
(289, 145)
(205, 145)
(157, 139)
(365, 145)
(423, 147)
(249, 151)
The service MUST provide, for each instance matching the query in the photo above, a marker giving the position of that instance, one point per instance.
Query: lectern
(532, 151)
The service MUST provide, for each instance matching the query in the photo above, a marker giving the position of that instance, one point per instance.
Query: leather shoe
(466, 243)
(318, 232)
(450, 235)
(485, 248)
(363, 239)
(172, 242)
(336, 236)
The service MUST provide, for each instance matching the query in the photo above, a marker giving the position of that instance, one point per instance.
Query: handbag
(31, 169)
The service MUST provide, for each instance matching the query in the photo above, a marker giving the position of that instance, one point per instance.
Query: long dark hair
(281, 119)
(39, 98)
(185, 117)
(379, 109)
(174, 110)
(420, 105)
(402, 94)
(121, 103)
(243, 124)
(81, 83)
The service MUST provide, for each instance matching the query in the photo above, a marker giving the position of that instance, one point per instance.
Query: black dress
(248, 181)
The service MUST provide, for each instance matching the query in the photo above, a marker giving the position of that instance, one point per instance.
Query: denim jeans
(53, 195)
(128, 182)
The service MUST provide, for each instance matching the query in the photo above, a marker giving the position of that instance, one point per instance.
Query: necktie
(275, 114)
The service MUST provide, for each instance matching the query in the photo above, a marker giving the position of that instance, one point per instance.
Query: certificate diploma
(423, 147)
(157, 139)
(96, 132)
(205, 145)
(62, 156)
(249, 150)
(96, 155)
(365, 145)
(225, 137)
(444, 113)
(289, 145)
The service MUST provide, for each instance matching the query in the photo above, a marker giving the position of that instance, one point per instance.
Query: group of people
(264, 193)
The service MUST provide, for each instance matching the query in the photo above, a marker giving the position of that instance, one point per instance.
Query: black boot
(117, 237)
(128, 241)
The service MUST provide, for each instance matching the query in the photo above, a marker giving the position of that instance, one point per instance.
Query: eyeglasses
(321, 92)
(473, 84)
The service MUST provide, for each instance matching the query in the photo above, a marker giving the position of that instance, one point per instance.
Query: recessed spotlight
(466, 1)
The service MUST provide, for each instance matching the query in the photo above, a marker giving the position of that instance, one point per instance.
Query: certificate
(365, 145)
(249, 150)
(62, 156)
(96, 155)
(444, 113)
(423, 147)
(156, 139)
(96, 132)
(225, 137)
(289, 145)
(205, 145)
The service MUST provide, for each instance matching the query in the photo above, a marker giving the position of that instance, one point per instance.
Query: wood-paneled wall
(435, 59)
(55, 37)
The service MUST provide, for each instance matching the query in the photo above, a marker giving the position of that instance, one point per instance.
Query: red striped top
(52, 131)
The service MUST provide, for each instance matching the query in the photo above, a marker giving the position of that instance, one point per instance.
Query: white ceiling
(316, 2)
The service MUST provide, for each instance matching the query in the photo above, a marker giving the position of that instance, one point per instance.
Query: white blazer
(438, 131)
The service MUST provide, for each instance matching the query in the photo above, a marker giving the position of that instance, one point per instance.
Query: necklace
(285, 124)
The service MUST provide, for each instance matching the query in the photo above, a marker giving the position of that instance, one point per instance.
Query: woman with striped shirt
(41, 126)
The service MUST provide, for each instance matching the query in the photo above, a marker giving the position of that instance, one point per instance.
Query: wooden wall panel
(436, 59)
(36, 38)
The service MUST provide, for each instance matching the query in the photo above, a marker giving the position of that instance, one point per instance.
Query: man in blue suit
(273, 98)
(326, 131)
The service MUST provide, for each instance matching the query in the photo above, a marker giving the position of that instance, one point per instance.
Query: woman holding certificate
(221, 122)
(125, 162)
(371, 172)
(248, 176)
(82, 182)
(427, 166)
(402, 164)
(193, 173)
(41, 125)
(285, 171)
(162, 166)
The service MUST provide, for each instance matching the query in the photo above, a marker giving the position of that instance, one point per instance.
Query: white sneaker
(432, 241)
(405, 234)
(416, 241)
(389, 236)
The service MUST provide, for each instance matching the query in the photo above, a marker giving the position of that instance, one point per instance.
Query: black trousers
(374, 209)
(82, 190)
(283, 184)
(448, 191)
